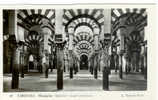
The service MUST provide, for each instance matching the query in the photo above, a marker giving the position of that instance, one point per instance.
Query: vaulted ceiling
(83, 44)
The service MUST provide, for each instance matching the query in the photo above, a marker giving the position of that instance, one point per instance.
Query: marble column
(145, 52)
(47, 33)
(13, 23)
(120, 33)
(22, 61)
(16, 65)
(60, 54)
(96, 32)
(70, 48)
(71, 35)
(16, 53)
(96, 42)
(71, 63)
(145, 61)
(107, 28)
(107, 21)
(92, 65)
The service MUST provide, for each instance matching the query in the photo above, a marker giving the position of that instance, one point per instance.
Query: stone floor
(82, 81)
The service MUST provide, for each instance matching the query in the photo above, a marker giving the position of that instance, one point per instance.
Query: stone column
(46, 64)
(67, 61)
(145, 61)
(96, 66)
(107, 20)
(105, 79)
(60, 66)
(145, 52)
(59, 30)
(45, 41)
(107, 31)
(96, 31)
(13, 23)
(20, 38)
(78, 65)
(96, 42)
(71, 63)
(71, 32)
(126, 66)
(89, 65)
(120, 33)
(47, 33)
(105, 62)
(15, 71)
(75, 66)
(22, 61)
(92, 65)
(13, 43)
(142, 59)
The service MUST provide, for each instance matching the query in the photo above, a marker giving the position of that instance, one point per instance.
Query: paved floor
(82, 81)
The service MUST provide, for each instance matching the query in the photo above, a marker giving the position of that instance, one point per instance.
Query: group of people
(41, 65)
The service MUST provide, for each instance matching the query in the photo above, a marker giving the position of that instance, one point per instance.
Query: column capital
(70, 30)
(96, 30)
(121, 30)
(122, 26)
(60, 45)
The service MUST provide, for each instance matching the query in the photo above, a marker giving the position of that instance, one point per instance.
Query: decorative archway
(129, 19)
(37, 23)
(127, 24)
(78, 17)
(82, 27)
(31, 17)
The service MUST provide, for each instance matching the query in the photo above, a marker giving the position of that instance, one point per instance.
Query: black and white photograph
(76, 49)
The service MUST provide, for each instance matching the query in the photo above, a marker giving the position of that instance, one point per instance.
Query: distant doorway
(84, 62)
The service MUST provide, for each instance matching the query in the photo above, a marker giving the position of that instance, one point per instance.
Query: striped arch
(115, 42)
(134, 41)
(83, 37)
(136, 17)
(84, 54)
(33, 40)
(78, 17)
(31, 17)
(84, 47)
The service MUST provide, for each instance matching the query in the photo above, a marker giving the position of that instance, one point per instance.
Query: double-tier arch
(130, 19)
(37, 23)
(79, 17)
(83, 22)
(37, 20)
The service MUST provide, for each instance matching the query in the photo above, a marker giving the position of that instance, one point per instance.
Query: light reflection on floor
(82, 81)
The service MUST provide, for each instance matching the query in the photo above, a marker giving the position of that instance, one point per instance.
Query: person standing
(31, 61)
